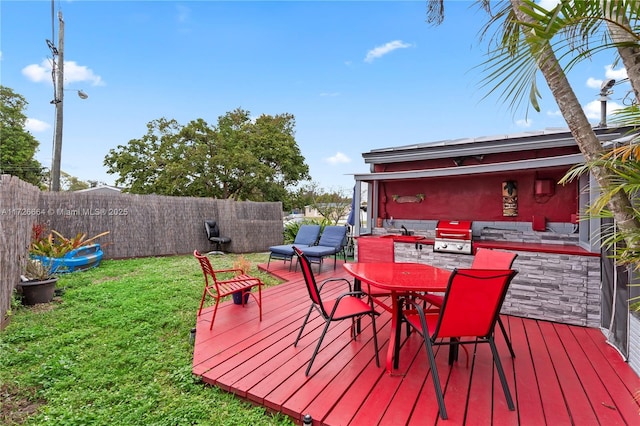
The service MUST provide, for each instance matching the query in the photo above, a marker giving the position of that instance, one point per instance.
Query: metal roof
(536, 163)
(524, 141)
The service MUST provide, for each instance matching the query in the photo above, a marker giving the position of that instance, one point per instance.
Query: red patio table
(399, 278)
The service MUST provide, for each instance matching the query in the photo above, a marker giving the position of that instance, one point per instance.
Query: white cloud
(38, 73)
(593, 109)
(34, 125)
(379, 51)
(609, 72)
(329, 94)
(339, 158)
(619, 74)
(524, 122)
(555, 113)
(72, 73)
(594, 83)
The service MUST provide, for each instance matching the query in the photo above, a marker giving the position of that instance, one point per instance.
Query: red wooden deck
(562, 375)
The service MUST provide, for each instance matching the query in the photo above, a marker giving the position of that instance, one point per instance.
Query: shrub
(55, 244)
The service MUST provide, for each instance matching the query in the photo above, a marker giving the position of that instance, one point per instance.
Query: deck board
(562, 375)
(574, 396)
(594, 389)
(619, 381)
(403, 403)
(527, 397)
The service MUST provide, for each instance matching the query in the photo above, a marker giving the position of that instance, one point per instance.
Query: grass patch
(114, 349)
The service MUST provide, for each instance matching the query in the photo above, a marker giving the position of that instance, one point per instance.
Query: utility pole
(59, 97)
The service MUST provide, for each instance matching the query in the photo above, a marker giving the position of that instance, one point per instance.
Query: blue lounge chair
(332, 241)
(307, 236)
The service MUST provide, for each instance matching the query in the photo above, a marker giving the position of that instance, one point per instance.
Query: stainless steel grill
(453, 236)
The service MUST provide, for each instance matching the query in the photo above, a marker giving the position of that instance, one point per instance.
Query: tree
(332, 205)
(17, 146)
(576, 119)
(619, 21)
(72, 183)
(523, 48)
(240, 158)
(302, 197)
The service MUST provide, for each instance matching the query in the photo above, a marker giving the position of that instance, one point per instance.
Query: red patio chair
(347, 305)
(219, 288)
(372, 250)
(470, 308)
(485, 259)
(375, 249)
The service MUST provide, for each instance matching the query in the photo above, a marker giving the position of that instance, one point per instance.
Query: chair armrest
(359, 294)
(334, 280)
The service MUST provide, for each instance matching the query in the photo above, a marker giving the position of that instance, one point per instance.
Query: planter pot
(34, 292)
(237, 297)
(76, 260)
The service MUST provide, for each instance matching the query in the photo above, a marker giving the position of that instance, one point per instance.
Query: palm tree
(578, 23)
(522, 48)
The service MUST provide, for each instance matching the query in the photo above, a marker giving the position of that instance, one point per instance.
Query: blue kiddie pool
(76, 260)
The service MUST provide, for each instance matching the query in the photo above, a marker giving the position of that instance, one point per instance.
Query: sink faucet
(404, 230)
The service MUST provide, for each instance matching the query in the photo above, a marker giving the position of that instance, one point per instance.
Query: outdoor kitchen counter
(501, 245)
(535, 247)
(555, 282)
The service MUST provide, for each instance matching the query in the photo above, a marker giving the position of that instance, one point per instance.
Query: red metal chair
(346, 306)
(485, 259)
(376, 249)
(470, 308)
(493, 259)
(219, 288)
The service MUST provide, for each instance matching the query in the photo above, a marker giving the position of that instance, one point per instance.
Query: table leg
(357, 286)
(453, 351)
(392, 339)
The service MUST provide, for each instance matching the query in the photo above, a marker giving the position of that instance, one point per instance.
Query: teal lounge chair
(332, 241)
(307, 236)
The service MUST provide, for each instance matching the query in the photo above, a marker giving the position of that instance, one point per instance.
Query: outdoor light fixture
(607, 85)
(81, 94)
(605, 91)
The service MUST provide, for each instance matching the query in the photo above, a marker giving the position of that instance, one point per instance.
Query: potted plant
(64, 254)
(38, 283)
(242, 266)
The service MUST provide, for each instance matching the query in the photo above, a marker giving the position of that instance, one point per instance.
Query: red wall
(479, 197)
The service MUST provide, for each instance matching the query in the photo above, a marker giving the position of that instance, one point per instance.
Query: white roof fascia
(536, 163)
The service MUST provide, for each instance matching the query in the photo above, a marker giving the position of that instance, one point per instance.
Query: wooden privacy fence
(15, 234)
(138, 225)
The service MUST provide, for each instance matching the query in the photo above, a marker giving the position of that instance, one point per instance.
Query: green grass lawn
(114, 349)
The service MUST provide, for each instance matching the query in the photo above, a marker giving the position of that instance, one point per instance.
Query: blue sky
(356, 75)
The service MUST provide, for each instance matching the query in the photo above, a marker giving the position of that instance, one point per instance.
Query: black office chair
(213, 235)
